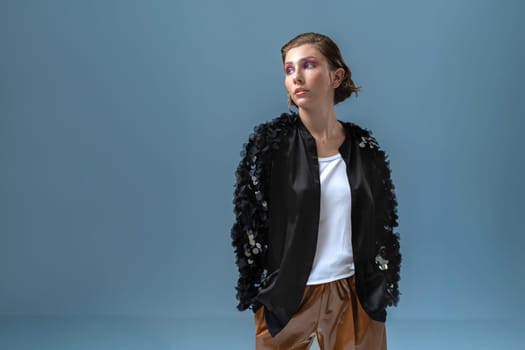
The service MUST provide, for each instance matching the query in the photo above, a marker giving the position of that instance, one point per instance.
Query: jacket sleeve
(249, 231)
(388, 257)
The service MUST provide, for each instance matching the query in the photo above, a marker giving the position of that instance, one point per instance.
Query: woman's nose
(298, 77)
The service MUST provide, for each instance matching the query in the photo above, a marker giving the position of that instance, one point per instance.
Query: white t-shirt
(333, 257)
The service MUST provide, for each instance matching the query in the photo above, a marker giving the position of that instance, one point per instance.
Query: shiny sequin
(368, 141)
(381, 263)
(263, 280)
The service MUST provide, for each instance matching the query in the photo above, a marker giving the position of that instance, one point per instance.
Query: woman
(315, 213)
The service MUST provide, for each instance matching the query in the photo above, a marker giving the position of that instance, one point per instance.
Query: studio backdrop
(122, 122)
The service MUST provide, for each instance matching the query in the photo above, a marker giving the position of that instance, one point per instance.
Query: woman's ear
(338, 77)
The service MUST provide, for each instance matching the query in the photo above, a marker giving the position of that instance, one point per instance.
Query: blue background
(121, 124)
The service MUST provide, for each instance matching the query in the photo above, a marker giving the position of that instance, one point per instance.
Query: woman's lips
(300, 91)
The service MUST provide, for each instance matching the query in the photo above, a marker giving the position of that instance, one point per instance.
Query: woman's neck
(321, 123)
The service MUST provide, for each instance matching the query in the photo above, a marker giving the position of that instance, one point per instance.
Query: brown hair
(331, 52)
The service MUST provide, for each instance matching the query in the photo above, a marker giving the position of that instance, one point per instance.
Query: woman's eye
(288, 70)
(308, 64)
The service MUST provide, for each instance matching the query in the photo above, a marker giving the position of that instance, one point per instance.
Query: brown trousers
(330, 311)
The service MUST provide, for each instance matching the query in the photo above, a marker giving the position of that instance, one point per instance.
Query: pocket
(375, 287)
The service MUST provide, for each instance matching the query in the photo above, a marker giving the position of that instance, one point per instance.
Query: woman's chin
(303, 103)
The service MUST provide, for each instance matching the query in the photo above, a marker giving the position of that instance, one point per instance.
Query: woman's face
(308, 77)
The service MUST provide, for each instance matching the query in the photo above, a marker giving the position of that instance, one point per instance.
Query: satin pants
(332, 313)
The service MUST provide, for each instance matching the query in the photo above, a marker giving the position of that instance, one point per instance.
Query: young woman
(315, 216)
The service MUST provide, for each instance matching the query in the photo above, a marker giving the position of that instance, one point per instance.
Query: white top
(333, 256)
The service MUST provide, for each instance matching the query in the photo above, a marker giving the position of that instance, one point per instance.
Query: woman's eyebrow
(301, 59)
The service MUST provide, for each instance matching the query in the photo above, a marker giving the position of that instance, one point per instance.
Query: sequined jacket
(276, 205)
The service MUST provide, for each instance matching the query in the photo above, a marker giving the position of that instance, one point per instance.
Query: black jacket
(277, 199)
